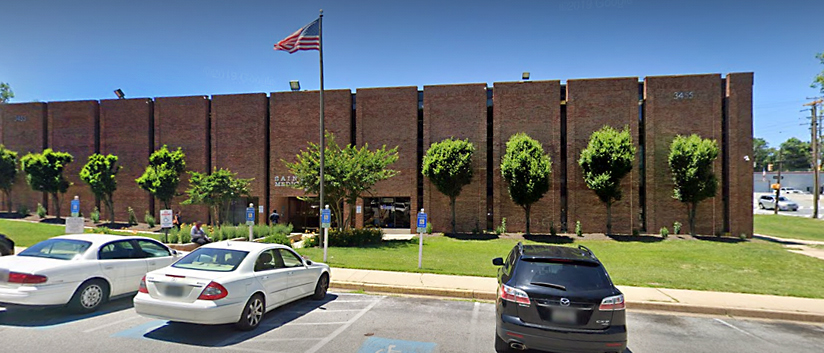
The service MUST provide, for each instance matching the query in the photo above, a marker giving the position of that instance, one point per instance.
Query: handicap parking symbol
(386, 345)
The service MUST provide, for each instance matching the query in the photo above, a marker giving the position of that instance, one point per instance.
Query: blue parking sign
(421, 222)
(325, 218)
(75, 208)
(250, 215)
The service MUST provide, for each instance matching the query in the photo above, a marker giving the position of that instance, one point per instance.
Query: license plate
(174, 291)
(4, 275)
(564, 316)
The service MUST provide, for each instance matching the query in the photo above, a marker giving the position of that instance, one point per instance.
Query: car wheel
(761, 206)
(500, 345)
(89, 296)
(252, 313)
(321, 287)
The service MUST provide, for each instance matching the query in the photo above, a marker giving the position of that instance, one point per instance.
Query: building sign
(285, 180)
(20, 118)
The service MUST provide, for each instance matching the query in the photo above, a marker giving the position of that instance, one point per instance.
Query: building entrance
(386, 212)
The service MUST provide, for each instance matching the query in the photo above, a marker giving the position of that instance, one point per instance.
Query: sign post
(250, 220)
(325, 222)
(421, 230)
(166, 220)
(76, 206)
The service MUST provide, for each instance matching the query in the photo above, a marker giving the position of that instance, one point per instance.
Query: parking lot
(349, 322)
(804, 201)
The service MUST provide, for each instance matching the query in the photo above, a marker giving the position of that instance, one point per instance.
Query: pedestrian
(274, 217)
(198, 235)
(176, 220)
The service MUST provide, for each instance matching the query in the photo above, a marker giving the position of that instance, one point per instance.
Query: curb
(642, 305)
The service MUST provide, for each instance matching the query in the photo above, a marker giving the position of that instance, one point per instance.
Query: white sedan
(81, 270)
(230, 282)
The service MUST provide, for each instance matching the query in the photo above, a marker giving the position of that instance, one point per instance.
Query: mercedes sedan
(230, 282)
(81, 270)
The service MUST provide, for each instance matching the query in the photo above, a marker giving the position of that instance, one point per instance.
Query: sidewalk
(638, 298)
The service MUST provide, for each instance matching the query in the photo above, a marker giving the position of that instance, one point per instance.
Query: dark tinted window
(572, 275)
(63, 249)
(153, 249)
(122, 249)
(208, 259)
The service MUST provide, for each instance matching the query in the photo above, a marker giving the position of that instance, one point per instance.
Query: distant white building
(800, 180)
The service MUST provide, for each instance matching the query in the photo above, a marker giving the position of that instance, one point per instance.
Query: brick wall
(739, 147)
(591, 105)
(457, 111)
(72, 128)
(184, 122)
(532, 108)
(125, 131)
(682, 105)
(389, 116)
(22, 130)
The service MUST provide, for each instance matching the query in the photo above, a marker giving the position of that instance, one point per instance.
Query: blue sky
(61, 50)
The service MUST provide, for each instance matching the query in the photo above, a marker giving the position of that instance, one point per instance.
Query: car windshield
(782, 198)
(61, 249)
(210, 259)
(571, 275)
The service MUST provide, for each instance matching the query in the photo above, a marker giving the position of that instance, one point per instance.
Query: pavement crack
(669, 296)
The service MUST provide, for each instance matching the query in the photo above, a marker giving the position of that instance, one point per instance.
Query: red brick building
(255, 134)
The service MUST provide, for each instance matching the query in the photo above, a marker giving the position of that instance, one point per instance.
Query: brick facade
(739, 149)
(22, 130)
(533, 108)
(73, 129)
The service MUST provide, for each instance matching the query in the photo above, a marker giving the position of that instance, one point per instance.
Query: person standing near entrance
(274, 217)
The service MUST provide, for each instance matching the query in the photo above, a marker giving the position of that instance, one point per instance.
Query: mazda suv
(557, 299)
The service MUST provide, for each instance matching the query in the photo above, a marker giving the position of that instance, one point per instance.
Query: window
(207, 259)
(118, 250)
(387, 212)
(61, 249)
(290, 259)
(266, 261)
(153, 249)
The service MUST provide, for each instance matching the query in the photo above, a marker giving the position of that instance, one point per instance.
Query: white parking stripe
(738, 329)
(473, 323)
(340, 330)
(286, 339)
(315, 323)
(111, 324)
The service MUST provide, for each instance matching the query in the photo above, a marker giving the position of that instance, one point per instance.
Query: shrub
(277, 239)
(552, 231)
(676, 227)
(185, 237)
(635, 232)
(742, 236)
(428, 227)
(23, 210)
(664, 232)
(101, 230)
(174, 238)
(132, 217)
(578, 231)
(41, 211)
(501, 229)
(150, 220)
(95, 216)
(348, 238)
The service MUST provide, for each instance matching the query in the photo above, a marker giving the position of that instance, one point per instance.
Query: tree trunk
(527, 212)
(8, 199)
(56, 200)
(110, 205)
(691, 208)
(452, 205)
(609, 217)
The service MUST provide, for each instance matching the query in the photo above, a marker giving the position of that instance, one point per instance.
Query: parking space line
(111, 324)
(473, 323)
(316, 323)
(140, 330)
(286, 339)
(340, 330)
(738, 329)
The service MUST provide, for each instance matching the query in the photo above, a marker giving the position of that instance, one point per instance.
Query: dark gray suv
(558, 299)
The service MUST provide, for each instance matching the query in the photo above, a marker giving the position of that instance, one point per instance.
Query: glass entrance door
(386, 212)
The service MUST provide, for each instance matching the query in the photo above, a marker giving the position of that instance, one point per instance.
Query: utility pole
(778, 189)
(814, 129)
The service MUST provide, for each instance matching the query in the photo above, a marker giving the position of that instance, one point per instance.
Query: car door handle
(152, 263)
(265, 277)
(108, 267)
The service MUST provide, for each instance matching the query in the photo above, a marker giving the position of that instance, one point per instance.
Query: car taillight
(213, 291)
(513, 294)
(612, 303)
(142, 288)
(25, 278)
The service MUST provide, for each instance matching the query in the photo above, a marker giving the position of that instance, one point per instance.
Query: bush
(23, 210)
(101, 230)
(348, 238)
(552, 231)
(277, 239)
(174, 238)
(578, 231)
(428, 227)
(501, 229)
(742, 236)
(664, 232)
(635, 232)
(132, 217)
(41, 211)
(95, 216)
(185, 237)
(676, 227)
(150, 220)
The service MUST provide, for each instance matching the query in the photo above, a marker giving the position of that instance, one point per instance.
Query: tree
(605, 161)
(100, 173)
(8, 172)
(348, 173)
(818, 81)
(5, 93)
(216, 190)
(44, 173)
(796, 154)
(448, 165)
(526, 170)
(762, 154)
(162, 175)
(690, 161)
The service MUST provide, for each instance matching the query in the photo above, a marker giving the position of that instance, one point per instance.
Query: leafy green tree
(348, 173)
(5, 92)
(526, 170)
(216, 190)
(8, 172)
(690, 161)
(44, 173)
(796, 154)
(162, 175)
(818, 81)
(100, 173)
(762, 154)
(448, 165)
(605, 161)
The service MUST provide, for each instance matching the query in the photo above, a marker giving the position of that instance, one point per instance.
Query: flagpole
(322, 130)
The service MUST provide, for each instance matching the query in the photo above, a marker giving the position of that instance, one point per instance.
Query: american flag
(306, 38)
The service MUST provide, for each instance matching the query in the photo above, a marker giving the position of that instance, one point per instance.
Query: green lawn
(748, 267)
(789, 227)
(28, 233)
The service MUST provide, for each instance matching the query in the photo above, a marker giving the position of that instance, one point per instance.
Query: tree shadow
(728, 240)
(53, 220)
(11, 215)
(471, 236)
(549, 238)
(116, 226)
(635, 238)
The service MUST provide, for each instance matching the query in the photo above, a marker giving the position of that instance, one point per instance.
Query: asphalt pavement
(804, 201)
(351, 322)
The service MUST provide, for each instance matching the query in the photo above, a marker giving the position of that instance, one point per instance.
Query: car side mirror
(175, 253)
(498, 261)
